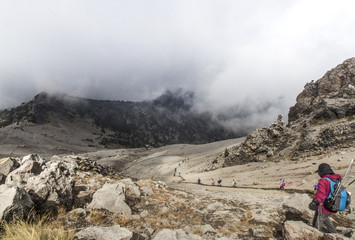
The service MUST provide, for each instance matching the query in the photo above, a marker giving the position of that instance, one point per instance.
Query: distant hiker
(321, 212)
(212, 181)
(219, 181)
(234, 183)
(198, 181)
(281, 183)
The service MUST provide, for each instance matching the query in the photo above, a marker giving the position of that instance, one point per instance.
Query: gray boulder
(34, 158)
(20, 176)
(111, 197)
(296, 207)
(15, 202)
(132, 189)
(105, 233)
(7, 165)
(172, 234)
(52, 187)
(300, 230)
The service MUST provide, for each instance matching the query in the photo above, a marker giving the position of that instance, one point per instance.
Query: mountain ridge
(168, 119)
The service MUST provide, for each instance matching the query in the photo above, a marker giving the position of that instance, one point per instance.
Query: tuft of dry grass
(37, 228)
(97, 217)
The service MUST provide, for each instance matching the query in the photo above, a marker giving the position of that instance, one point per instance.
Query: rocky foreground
(98, 203)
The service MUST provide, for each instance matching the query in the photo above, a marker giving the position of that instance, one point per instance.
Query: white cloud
(225, 51)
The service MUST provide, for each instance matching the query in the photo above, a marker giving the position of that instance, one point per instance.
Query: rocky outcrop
(49, 184)
(331, 97)
(323, 119)
(52, 187)
(15, 203)
(264, 144)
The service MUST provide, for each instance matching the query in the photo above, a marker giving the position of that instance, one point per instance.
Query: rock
(299, 230)
(2, 178)
(147, 191)
(111, 197)
(215, 207)
(170, 234)
(52, 187)
(34, 158)
(296, 207)
(104, 233)
(132, 189)
(208, 230)
(68, 161)
(334, 236)
(144, 214)
(15, 202)
(20, 176)
(7, 165)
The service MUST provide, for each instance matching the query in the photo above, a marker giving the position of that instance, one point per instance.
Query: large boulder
(104, 233)
(52, 187)
(111, 197)
(173, 234)
(296, 207)
(299, 230)
(132, 189)
(15, 202)
(7, 165)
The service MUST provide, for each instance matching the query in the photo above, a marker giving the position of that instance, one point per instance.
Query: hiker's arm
(322, 191)
(313, 205)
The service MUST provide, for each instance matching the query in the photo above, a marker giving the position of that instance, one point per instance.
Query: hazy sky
(245, 53)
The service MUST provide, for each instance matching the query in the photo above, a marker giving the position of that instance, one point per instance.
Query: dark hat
(324, 169)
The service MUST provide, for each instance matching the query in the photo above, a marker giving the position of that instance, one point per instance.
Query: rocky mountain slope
(322, 120)
(74, 124)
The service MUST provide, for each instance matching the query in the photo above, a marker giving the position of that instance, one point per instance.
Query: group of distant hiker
(219, 182)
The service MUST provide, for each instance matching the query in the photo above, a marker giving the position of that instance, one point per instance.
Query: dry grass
(124, 221)
(38, 228)
(97, 217)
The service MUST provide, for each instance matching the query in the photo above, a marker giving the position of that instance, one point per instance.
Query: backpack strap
(332, 184)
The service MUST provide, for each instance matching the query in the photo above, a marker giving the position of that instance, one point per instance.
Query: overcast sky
(229, 53)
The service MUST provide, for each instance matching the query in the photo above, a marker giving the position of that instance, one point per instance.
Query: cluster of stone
(34, 183)
(86, 165)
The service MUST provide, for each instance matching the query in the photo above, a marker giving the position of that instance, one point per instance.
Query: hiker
(321, 212)
(281, 184)
(198, 181)
(212, 181)
(219, 181)
(234, 183)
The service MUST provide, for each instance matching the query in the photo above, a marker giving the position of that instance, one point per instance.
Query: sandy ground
(190, 161)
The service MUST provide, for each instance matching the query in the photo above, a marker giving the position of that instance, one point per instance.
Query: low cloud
(252, 57)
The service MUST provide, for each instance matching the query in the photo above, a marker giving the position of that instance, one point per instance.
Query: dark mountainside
(322, 120)
(168, 119)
